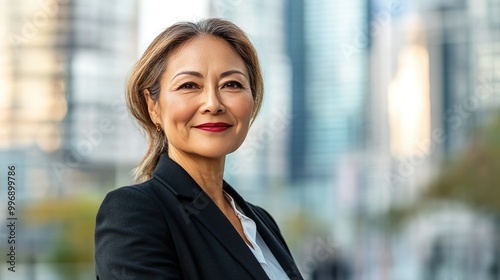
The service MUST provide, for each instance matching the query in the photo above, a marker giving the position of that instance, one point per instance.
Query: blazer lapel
(280, 253)
(214, 221)
(201, 207)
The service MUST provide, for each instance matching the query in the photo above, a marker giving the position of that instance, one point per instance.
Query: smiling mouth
(213, 127)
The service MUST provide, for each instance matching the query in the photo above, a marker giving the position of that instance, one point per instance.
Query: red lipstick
(213, 127)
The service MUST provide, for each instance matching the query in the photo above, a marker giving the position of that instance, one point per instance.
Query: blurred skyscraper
(63, 69)
(32, 101)
(464, 46)
(63, 122)
(434, 79)
(328, 46)
(328, 43)
(99, 53)
(330, 83)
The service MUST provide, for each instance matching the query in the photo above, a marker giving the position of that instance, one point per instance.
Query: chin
(217, 148)
(215, 152)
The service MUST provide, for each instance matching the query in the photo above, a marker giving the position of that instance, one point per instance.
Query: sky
(156, 15)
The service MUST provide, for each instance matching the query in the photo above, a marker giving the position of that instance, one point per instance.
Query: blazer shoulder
(145, 191)
(143, 188)
(132, 236)
(129, 203)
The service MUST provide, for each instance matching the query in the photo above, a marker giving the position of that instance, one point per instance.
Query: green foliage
(74, 219)
(473, 179)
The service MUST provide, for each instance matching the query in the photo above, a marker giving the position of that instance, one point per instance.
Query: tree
(472, 179)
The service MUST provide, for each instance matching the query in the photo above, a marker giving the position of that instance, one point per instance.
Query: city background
(377, 149)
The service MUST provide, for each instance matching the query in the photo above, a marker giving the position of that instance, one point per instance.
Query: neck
(208, 173)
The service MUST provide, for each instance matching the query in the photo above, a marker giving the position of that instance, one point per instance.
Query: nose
(212, 103)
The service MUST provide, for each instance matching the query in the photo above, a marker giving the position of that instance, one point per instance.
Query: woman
(195, 92)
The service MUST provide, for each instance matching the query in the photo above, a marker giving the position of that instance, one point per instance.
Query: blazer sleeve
(132, 239)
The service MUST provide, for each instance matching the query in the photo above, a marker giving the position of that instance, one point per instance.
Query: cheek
(176, 110)
(243, 108)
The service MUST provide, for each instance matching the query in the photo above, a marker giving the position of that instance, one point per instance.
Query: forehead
(202, 53)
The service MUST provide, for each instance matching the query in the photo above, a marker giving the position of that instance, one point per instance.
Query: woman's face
(205, 102)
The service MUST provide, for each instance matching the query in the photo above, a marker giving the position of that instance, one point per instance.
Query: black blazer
(169, 228)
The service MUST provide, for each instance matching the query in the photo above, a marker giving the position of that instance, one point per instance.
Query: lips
(214, 127)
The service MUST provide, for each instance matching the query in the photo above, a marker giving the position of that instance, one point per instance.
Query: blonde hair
(147, 73)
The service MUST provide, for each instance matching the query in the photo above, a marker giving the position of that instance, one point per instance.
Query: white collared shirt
(260, 250)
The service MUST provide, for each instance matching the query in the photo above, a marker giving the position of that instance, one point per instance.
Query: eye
(233, 85)
(188, 85)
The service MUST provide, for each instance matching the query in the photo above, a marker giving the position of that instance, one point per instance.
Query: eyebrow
(199, 75)
(230, 72)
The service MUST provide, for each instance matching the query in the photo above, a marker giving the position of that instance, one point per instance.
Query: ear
(153, 108)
